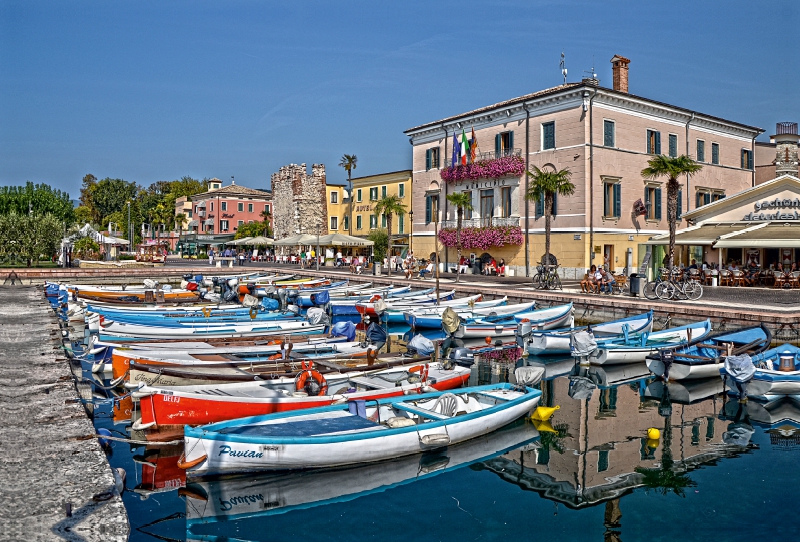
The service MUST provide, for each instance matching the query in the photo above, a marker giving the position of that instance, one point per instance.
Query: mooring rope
(132, 441)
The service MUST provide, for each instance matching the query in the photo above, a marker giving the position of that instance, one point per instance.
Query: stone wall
(298, 200)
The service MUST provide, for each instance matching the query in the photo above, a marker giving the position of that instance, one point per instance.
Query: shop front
(756, 228)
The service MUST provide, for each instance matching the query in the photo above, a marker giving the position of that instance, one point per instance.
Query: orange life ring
(307, 364)
(374, 298)
(302, 380)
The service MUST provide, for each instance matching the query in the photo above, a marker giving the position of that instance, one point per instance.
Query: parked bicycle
(546, 278)
(677, 287)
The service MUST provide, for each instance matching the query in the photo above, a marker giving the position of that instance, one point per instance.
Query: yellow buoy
(653, 434)
(652, 443)
(544, 413)
(544, 426)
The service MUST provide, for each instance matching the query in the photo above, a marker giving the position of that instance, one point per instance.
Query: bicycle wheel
(649, 290)
(680, 290)
(537, 281)
(665, 290)
(555, 283)
(694, 290)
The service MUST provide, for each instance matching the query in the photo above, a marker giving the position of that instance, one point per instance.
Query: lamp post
(130, 228)
(434, 191)
(317, 253)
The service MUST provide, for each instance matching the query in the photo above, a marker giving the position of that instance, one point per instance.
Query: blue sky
(149, 91)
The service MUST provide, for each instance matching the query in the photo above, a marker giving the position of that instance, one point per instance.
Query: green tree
(544, 185)
(38, 199)
(111, 195)
(390, 206)
(180, 220)
(84, 215)
(462, 201)
(253, 229)
(29, 236)
(86, 248)
(89, 182)
(349, 162)
(671, 168)
(381, 239)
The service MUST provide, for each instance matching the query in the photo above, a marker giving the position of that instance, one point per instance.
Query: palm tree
(544, 185)
(180, 218)
(462, 201)
(671, 168)
(349, 162)
(389, 206)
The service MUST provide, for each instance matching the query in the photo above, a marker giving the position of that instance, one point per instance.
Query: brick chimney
(786, 142)
(620, 71)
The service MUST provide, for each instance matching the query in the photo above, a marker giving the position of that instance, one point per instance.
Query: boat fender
(139, 426)
(206, 311)
(397, 422)
(312, 382)
(253, 312)
(653, 434)
(183, 464)
(105, 443)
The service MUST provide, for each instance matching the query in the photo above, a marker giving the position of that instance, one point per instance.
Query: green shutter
(673, 145)
(539, 206)
(657, 196)
(497, 145)
(658, 143)
(428, 218)
(617, 200)
(427, 160)
(680, 205)
(511, 141)
(554, 210)
(608, 133)
(400, 221)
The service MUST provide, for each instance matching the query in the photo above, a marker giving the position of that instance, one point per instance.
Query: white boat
(705, 356)
(557, 342)
(431, 318)
(119, 331)
(777, 372)
(551, 318)
(218, 500)
(639, 347)
(354, 433)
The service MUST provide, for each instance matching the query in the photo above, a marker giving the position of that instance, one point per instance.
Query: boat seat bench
(490, 396)
(369, 383)
(419, 411)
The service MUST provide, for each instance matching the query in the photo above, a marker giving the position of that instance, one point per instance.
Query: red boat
(160, 471)
(198, 405)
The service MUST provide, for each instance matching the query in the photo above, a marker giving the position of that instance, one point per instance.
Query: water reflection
(269, 494)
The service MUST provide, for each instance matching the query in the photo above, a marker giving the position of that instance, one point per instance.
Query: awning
(242, 241)
(341, 240)
(704, 234)
(295, 240)
(261, 241)
(764, 235)
(193, 223)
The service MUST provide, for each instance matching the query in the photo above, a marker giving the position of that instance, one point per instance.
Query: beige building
(366, 193)
(337, 204)
(604, 136)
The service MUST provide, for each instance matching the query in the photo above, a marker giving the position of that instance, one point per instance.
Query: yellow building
(336, 201)
(366, 193)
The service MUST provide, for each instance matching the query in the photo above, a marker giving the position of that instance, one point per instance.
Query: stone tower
(786, 141)
(298, 201)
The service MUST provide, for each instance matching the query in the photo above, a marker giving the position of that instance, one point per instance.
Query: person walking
(211, 257)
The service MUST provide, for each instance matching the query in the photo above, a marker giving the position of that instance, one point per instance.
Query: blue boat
(638, 348)
(703, 356)
(777, 372)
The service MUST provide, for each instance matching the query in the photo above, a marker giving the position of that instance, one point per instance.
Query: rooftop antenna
(592, 74)
(563, 67)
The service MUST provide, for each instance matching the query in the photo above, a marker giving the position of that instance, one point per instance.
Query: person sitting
(501, 268)
(693, 265)
(463, 264)
(490, 267)
(411, 267)
(359, 265)
(608, 282)
(426, 270)
(587, 284)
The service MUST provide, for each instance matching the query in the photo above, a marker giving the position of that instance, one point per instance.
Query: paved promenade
(45, 459)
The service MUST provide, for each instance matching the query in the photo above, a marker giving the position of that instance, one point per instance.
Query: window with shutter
(498, 146)
(383, 191)
(401, 190)
(673, 145)
(608, 133)
(653, 142)
(715, 153)
(539, 211)
(383, 221)
(358, 222)
(617, 200)
(701, 150)
(657, 196)
(548, 135)
(428, 160)
(400, 224)
(679, 212)
(428, 215)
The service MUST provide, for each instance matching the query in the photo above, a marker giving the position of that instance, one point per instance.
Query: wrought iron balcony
(487, 222)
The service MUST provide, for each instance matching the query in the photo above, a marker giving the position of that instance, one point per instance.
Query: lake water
(719, 470)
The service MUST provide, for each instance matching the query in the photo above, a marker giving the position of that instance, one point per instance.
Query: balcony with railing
(486, 222)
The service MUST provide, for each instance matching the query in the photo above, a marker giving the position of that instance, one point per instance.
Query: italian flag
(464, 148)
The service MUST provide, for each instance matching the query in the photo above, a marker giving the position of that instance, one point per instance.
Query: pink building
(221, 210)
(604, 136)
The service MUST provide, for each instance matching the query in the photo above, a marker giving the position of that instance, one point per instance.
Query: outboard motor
(346, 329)
(188, 277)
(230, 296)
(292, 310)
(524, 333)
(316, 316)
(282, 298)
(739, 370)
(462, 356)
(376, 335)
